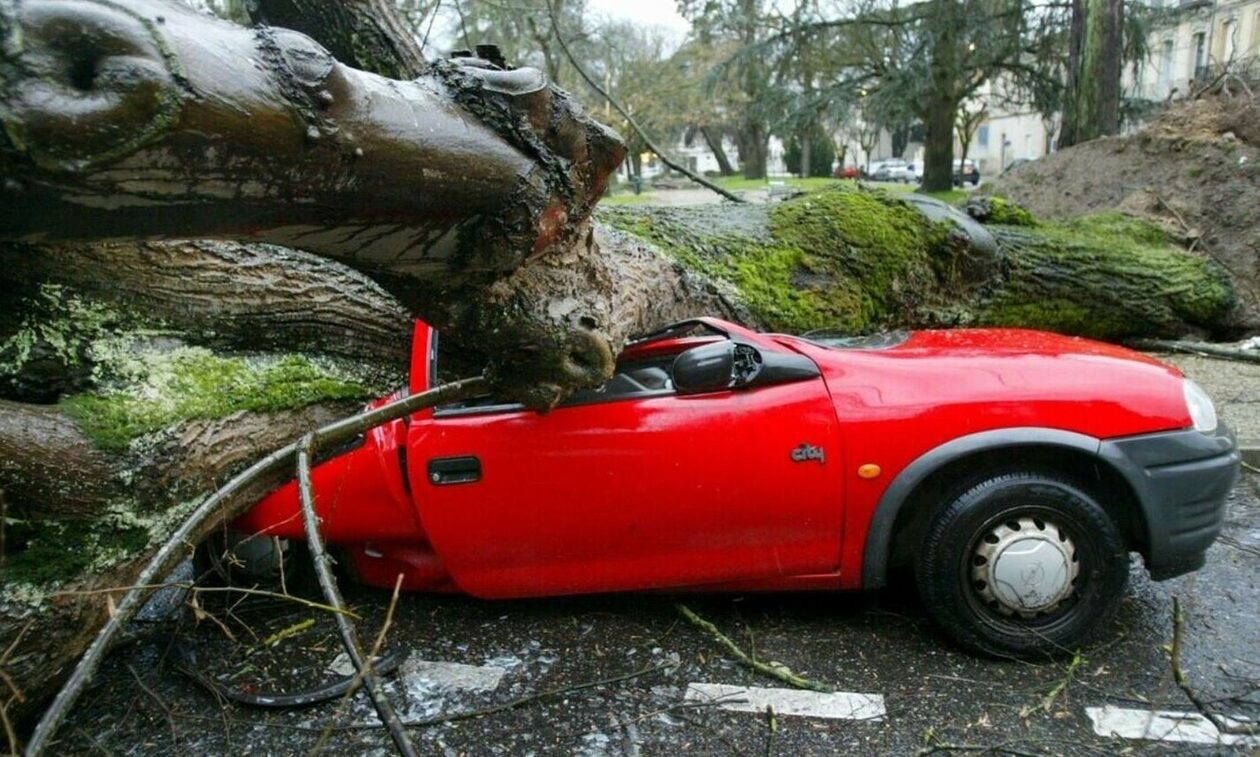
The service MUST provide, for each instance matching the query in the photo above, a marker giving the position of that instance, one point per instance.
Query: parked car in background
(846, 172)
(890, 170)
(965, 171)
(1012, 471)
(916, 173)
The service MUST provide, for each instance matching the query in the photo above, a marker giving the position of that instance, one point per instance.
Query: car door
(635, 493)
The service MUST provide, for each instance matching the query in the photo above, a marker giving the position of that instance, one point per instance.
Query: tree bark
(363, 34)
(713, 139)
(752, 140)
(938, 148)
(189, 126)
(1095, 63)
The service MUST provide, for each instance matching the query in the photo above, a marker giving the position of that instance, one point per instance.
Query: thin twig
(170, 719)
(647, 141)
(358, 677)
(1179, 677)
(226, 502)
(773, 669)
(209, 589)
(349, 634)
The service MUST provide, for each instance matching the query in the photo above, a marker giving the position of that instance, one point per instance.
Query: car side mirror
(730, 365)
(707, 368)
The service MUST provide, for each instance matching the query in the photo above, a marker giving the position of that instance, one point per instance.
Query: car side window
(639, 378)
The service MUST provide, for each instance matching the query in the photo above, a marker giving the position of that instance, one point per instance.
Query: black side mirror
(730, 365)
(707, 368)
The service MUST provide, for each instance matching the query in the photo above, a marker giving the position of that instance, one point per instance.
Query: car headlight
(1200, 406)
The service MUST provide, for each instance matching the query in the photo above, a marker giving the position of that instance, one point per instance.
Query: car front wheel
(1022, 564)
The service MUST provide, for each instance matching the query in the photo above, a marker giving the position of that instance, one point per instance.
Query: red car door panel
(640, 493)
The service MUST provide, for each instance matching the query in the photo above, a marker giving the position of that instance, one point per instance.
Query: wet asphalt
(938, 699)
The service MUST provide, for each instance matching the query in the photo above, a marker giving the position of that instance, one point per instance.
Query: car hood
(1005, 377)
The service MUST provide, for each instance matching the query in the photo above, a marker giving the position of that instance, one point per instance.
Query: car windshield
(833, 340)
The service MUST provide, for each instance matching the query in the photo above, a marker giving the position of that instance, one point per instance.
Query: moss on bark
(860, 260)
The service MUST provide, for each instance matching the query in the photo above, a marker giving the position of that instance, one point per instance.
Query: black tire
(954, 598)
(215, 565)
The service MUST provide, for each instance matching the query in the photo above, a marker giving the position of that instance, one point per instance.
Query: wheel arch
(906, 499)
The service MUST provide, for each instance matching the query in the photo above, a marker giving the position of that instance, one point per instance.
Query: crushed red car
(1012, 471)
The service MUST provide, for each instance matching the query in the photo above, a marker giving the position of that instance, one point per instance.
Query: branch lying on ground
(370, 668)
(1179, 677)
(349, 634)
(564, 46)
(773, 669)
(172, 551)
(1197, 348)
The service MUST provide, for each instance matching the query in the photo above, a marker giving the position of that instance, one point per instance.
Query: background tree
(968, 122)
(1096, 53)
(743, 22)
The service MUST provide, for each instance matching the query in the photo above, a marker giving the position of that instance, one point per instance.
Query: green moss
(839, 258)
(52, 343)
(1007, 213)
(51, 552)
(41, 556)
(859, 260)
(193, 384)
(1107, 276)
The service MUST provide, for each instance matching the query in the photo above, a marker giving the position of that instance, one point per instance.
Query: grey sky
(663, 13)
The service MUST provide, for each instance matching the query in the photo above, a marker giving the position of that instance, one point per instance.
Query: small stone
(312, 133)
(325, 98)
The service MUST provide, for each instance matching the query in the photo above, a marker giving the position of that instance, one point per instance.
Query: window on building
(1199, 62)
(1166, 67)
(982, 135)
(1229, 40)
(1254, 47)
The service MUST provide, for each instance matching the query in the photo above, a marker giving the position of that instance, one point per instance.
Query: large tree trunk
(938, 148)
(752, 140)
(120, 127)
(1092, 102)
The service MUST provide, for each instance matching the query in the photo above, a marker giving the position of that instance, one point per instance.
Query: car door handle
(454, 470)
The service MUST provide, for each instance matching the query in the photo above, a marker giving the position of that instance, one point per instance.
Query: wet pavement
(613, 675)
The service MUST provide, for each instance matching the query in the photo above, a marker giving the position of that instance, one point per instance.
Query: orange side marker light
(870, 470)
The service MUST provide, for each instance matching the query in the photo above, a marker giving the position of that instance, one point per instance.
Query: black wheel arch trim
(879, 533)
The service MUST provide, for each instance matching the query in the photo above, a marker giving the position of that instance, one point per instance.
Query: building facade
(1193, 42)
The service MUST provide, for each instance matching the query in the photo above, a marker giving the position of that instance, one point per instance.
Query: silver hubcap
(1024, 566)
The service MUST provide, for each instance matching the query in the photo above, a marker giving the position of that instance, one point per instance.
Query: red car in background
(1013, 472)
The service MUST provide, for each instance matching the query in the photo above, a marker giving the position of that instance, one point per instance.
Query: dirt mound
(1194, 169)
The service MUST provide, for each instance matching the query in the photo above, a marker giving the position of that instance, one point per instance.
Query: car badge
(807, 452)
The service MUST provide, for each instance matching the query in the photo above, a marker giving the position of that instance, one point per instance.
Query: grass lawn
(629, 198)
(738, 184)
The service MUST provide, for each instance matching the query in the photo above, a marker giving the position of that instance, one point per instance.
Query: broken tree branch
(1198, 348)
(773, 669)
(349, 634)
(172, 550)
(1179, 677)
(564, 47)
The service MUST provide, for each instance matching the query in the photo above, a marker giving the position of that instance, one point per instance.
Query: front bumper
(1182, 479)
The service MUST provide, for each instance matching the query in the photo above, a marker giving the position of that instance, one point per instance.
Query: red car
(1013, 471)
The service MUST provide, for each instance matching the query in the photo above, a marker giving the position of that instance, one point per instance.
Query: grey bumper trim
(1182, 479)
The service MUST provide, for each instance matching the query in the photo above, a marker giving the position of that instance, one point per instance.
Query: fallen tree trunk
(858, 261)
(148, 120)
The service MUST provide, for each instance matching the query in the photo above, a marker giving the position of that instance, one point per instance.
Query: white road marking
(840, 705)
(1165, 725)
